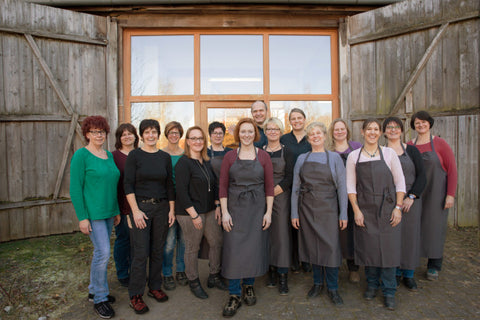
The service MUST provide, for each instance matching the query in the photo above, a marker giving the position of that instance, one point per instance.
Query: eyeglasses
(272, 129)
(393, 127)
(174, 133)
(217, 133)
(97, 132)
(196, 139)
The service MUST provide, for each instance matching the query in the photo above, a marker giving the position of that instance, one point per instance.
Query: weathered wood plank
(16, 224)
(469, 62)
(14, 160)
(3, 164)
(434, 77)
(4, 226)
(451, 67)
(417, 50)
(2, 81)
(28, 160)
(363, 75)
(31, 203)
(35, 118)
(11, 74)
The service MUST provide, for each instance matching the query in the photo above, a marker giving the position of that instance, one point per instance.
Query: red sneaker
(159, 295)
(136, 302)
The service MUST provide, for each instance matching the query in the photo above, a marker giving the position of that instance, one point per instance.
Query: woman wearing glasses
(216, 152)
(93, 190)
(196, 209)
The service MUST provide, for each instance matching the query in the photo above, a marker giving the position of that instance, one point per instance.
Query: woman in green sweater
(93, 190)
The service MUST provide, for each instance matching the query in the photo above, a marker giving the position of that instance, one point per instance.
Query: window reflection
(162, 65)
(164, 112)
(300, 65)
(314, 110)
(231, 64)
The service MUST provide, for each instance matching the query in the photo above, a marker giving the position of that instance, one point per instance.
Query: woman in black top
(415, 180)
(151, 196)
(216, 151)
(198, 210)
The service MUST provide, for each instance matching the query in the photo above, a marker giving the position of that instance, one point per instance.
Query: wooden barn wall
(34, 123)
(381, 49)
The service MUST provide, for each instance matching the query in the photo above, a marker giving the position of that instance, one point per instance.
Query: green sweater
(93, 186)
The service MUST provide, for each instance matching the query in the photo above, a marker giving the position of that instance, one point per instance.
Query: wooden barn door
(56, 67)
(419, 55)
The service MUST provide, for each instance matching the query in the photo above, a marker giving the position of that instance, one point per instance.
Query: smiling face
(127, 139)
(422, 126)
(96, 136)
(150, 137)
(272, 131)
(195, 141)
(259, 112)
(393, 131)
(339, 132)
(246, 134)
(297, 121)
(371, 133)
(217, 136)
(173, 136)
(316, 137)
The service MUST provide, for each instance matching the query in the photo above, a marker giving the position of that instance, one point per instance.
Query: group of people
(277, 202)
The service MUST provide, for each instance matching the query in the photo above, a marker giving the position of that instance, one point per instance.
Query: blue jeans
(234, 287)
(174, 237)
(100, 237)
(389, 282)
(282, 270)
(329, 273)
(406, 273)
(121, 249)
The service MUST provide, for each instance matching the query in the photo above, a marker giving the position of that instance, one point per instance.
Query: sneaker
(370, 293)
(181, 278)
(335, 297)
(111, 299)
(410, 284)
(104, 310)
(169, 283)
(432, 274)
(136, 302)
(248, 295)
(229, 310)
(158, 295)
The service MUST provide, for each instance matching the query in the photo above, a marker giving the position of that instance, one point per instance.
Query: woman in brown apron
(280, 236)
(414, 172)
(376, 187)
(319, 210)
(439, 194)
(246, 197)
(340, 141)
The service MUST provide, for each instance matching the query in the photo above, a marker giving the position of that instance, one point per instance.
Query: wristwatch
(412, 196)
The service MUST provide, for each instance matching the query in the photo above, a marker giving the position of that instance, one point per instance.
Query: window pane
(314, 110)
(164, 112)
(162, 65)
(229, 117)
(300, 65)
(231, 64)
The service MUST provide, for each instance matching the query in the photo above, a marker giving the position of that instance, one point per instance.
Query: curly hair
(98, 122)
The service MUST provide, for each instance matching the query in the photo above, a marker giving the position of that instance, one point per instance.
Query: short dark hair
(297, 110)
(149, 123)
(94, 122)
(392, 119)
(236, 133)
(120, 130)
(172, 125)
(214, 125)
(371, 120)
(422, 115)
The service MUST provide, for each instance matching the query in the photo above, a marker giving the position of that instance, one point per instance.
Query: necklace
(205, 172)
(276, 148)
(371, 155)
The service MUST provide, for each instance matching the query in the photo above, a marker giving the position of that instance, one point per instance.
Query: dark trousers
(148, 244)
(435, 264)
(329, 273)
(388, 281)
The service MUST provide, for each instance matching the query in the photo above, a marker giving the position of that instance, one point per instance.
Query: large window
(200, 76)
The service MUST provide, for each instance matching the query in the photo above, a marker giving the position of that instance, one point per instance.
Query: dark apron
(346, 235)
(280, 236)
(318, 237)
(411, 220)
(378, 244)
(434, 216)
(245, 247)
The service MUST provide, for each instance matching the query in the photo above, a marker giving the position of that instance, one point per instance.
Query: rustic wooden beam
(66, 151)
(50, 35)
(33, 203)
(421, 64)
(35, 118)
(409, 29)
(50, 77)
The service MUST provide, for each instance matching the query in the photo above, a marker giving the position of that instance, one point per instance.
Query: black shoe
(182, 278)
(335, 297)
(111, 299)
(104, 310)
(399, 279)
(229, 310)
(272, 277)
(169, 283)
(315, 290)
(307, 267)
(283, 284)
(197, 289)
(389, 302)
(410, 284)
(248, 295)
(370, 293)
(216, 280)
(124, 282)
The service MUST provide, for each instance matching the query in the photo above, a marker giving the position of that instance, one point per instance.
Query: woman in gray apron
(414, 172)
(246, 197)
(376, 187)
(280, 236)
(319, 210)
(439, 194)
(340, 138)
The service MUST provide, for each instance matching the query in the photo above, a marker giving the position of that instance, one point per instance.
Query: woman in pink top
(439, 193)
